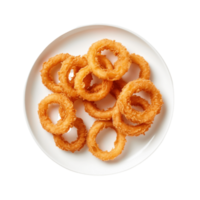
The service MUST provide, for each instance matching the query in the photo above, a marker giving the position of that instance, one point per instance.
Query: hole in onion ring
(110, 56)
(71, 135)
(144, 95)
(71, 74)
(54, 72)
(106, 103)
(138, 108)
(132, 74)
(53, 112)
(106, 138)
(95, 80)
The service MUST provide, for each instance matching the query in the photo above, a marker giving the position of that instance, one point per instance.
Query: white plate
(137, 149)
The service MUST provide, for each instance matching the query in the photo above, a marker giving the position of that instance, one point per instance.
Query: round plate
(137, 149)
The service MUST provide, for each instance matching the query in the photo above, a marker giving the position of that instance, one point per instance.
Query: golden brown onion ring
(130, 130)
(105, 86)
(76, 145)
(66, 67)
(47, 79)
(87, 80)
(121, 66)
(124, 102)
(92, 109)
(144, 69)
(93, 146)
(63, 125)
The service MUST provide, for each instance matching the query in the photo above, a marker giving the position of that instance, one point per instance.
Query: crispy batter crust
(124, 102)
(67, 65)
(121, 66)
(144, 69)
(92, 109)
(130, 130)
(76, 145)
(93, 146)
(87, 94)
(67, 122)
(47, 79)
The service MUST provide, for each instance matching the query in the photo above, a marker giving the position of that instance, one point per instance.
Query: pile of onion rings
(67, 91)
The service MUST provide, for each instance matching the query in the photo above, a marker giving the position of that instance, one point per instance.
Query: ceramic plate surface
(137, 149)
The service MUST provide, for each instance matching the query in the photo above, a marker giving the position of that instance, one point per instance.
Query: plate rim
(23, 90)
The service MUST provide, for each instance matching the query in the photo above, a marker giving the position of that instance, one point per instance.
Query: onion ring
(87, 80)
(143, 65)
(93, 146)
(105, 85)
(124, 104)
(67, 65)
(63, 125)
(144, 69)
(47, 79)
(130, 130)
(76, 145)
(121, 66)
(92, 109)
